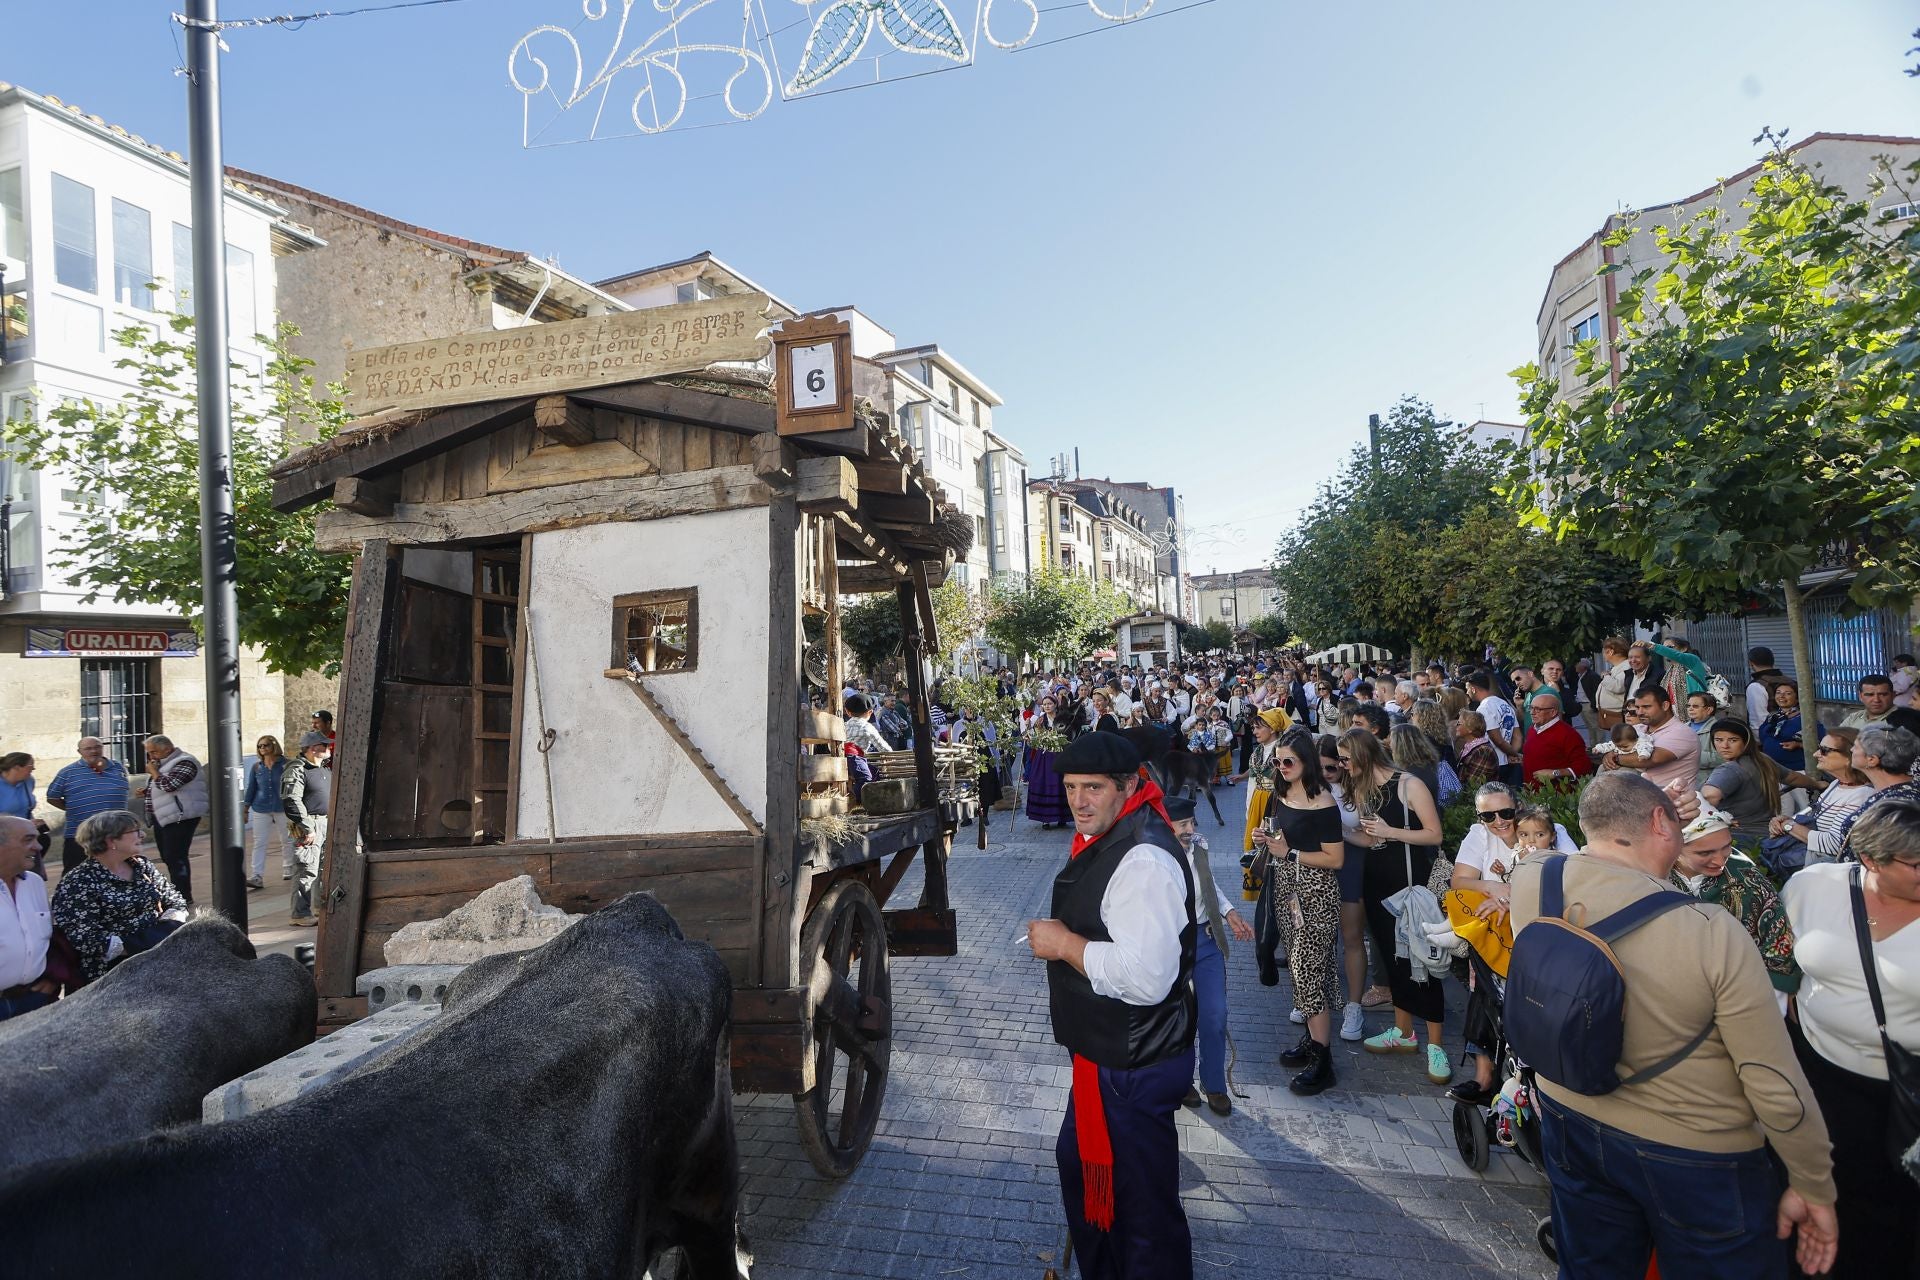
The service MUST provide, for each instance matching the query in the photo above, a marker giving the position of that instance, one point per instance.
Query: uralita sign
(110, 642)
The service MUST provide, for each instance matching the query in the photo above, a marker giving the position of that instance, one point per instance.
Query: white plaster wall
(614, 769)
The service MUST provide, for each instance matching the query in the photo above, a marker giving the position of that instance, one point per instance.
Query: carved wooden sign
(564, 355)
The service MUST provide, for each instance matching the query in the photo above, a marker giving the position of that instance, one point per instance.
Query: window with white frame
(132, 256)
(13, 218)
(76, 261)
(1226, 606)
(1904, 211)
(183, 269)
(1066, 518)
(1587, 330)
(242, 317)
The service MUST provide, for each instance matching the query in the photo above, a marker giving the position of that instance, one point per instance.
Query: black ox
(138, 1049)
(1176, 769)
(570, 1113)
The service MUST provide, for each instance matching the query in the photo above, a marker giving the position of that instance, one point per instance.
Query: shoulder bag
(1903, 1065)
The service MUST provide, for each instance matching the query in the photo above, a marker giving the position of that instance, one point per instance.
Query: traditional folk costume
(1260, 794)
(1130, 893)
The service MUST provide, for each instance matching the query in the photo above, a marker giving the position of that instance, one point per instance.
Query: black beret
(1099, 752)
(1179, 808)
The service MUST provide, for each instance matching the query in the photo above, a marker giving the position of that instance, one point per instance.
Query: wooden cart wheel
(844, 948)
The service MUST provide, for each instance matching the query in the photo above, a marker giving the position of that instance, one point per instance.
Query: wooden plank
(303, 484)
(814, 768)
(511, 804)
(613, 864)
(698, 895)
(673, 447)
(774, 460)
(923, 600)
(569, 844)
(920, 931)
(386, 879)
(822, 485)
(822, 726)
(779, 938)
(561, 355)
(560, 507)
(369, 497)
(913, 649)
(343, 891)
(388, 914)
(881, 476)
(690, 749)
(473, 467)
(684, 404)
(914, 509)
(557, 464)
(699, 449)
(563, 421)
(862, 579)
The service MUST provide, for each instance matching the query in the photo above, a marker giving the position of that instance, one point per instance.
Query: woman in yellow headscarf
(1267, 728)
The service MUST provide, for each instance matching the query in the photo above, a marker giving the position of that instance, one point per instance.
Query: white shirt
(1122, 707)
(1144, 910)
(1501, 718)
(1758, 695)
(1480, 849)
(26, 926)
(1835, 1013)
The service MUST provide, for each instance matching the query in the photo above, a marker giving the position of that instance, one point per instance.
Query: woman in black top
(1300, 898)
(1401, 827)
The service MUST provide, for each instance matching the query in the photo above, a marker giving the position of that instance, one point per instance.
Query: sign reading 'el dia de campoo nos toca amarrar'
(541, 359)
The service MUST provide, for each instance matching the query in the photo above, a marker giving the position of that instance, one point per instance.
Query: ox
(570, 1113)
(1176, 769)
(138, 1049)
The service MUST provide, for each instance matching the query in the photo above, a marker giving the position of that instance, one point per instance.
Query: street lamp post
(218, 551)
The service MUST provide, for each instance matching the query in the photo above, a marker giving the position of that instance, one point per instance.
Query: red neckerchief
(1089, 1112)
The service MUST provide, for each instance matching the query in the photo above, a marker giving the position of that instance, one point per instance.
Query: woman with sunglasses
(1815, 834)
(1401, 827)
(1488, 854)
(1301, 898)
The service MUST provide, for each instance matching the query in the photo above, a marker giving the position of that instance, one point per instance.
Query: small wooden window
(656, 632)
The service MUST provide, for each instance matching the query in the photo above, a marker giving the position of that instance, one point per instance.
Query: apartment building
(95, 236)
(1165, 514)
(1237, 599)
(1579, 306)
(1082, 529)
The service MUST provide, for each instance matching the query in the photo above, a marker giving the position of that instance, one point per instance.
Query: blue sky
(1201, 249)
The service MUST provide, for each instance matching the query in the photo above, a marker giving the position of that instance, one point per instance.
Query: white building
(94, 237)
(1236, 599)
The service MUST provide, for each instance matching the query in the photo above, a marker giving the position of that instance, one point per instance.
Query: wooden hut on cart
(594, 639)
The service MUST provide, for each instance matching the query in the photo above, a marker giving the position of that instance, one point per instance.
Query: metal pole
(1373, 439)
(218, 563)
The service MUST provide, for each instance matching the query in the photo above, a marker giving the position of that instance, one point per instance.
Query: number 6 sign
(813, 382)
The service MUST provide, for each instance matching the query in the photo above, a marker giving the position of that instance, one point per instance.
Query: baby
(1534, 832)
(1631, 736)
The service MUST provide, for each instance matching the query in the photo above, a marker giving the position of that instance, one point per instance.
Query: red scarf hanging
(1089, 1111)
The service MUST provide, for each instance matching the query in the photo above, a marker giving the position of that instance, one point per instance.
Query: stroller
(1512, 1118)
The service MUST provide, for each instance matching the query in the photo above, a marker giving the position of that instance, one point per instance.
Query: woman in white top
(1837, 1037)
(1819, 826)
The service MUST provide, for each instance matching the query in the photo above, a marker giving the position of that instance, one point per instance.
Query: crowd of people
(1748, 1130)
(108, 900)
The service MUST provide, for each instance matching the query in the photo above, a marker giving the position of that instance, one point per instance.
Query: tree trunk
(1804, 674)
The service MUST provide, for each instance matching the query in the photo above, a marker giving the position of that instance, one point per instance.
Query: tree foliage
(1762, 421)
(1206, 636)
(1052, 614)
(137, 539)
(870, 627)
(1270, 631)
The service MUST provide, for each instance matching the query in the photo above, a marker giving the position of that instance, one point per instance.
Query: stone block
(320, 1063)
(890, 795)
(405, 984)
(508, 917)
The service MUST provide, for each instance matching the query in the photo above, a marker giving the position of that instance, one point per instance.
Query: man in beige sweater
(1677, 1164)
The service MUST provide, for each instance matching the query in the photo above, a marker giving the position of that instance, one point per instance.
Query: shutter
(1770, 629)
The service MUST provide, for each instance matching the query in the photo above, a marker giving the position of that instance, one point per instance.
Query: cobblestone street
(1360, 1181)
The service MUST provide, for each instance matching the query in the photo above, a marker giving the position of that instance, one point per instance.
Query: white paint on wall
(614, 769)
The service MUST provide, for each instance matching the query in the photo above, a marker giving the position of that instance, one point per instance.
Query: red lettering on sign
(84, 640)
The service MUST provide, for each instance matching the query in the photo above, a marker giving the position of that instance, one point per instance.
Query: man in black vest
(1119, 951)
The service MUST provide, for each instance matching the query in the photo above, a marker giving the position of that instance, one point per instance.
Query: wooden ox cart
(578, 649)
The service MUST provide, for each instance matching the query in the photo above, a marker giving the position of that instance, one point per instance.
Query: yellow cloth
(1256, 812)
(1493, 939)
(1277, 719)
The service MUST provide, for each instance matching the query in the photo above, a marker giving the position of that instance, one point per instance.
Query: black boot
(1300, 1055)
(1319, 1072)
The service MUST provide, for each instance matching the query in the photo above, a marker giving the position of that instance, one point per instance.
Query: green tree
(1270, 631)
(137, 538)
(1762, 421)
(870, 627)
(1198, 638)
(1052, 614)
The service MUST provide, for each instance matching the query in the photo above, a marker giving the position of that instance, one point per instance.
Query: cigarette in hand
(1020, 941)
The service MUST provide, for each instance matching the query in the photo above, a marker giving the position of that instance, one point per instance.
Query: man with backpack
(1663, 1068)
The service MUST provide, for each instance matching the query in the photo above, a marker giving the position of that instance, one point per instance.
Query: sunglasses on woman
(1498, 815)
(1286, 762)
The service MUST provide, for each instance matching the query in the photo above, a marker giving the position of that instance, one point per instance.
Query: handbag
(1903, 1065)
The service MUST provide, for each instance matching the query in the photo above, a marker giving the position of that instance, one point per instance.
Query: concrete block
(405, 984)
(318, 1064)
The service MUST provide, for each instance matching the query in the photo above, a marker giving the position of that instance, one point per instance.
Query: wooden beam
(824, 485)
(342, 901)
(564, 506)
(857, 580)
(682, 404)
(882, 475)
(778, 896)
(923, 599)
(303, 485)
(774, 460)
(913, 648)
(690, 749)
(909, 508)
(871, 542)
(563, 420)
(367, 497)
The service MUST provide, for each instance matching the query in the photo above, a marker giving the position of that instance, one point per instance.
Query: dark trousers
(1150, 1239)
(25, 1002)
(174, 839)
(1386, 875)
(1510, 773)
(1617, 1198)
(71, 855)
(1879, 1204)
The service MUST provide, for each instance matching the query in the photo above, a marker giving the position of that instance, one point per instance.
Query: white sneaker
(1297, 1018)
(1352, 1024)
